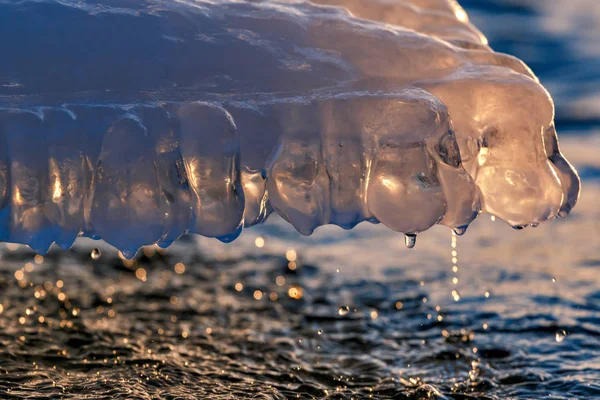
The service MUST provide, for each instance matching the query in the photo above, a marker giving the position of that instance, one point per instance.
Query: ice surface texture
(138, 121)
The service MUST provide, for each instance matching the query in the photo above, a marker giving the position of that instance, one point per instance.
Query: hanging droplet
(343, 310)
(560, 336)
(535, 224)
(562, 214)
(410, 240)
(96, 254)
(460, 230)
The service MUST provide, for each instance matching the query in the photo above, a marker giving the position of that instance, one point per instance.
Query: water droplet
(460, 230)
(410, 239)
(456, 295)
(96, 254)
(560, 336)
(519, 227)
(320, 332)
(535, 224)
(553, 280)
(562, 214)
(259, 242)
(343, 310)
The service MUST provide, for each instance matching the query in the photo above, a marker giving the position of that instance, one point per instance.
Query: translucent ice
(136, 122)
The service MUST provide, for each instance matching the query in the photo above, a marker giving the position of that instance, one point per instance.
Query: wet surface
(494, 314)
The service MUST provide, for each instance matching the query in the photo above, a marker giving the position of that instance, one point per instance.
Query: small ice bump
(564, 170)
(127, 210)
(257, 208)
(69, 172)
(210, 149)
(205, 117)
(176, 199)
(296, 182)
(32, 217)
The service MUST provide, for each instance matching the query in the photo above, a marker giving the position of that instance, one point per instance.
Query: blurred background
(494, 314)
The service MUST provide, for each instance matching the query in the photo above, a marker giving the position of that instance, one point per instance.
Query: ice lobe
(137, 122)
(351, 158)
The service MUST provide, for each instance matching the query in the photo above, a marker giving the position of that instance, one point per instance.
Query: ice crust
(136, 122)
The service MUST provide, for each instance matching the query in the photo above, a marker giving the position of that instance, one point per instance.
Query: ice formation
(136, 122)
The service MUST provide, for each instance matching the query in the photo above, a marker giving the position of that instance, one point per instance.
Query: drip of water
(454, 259)
(460, 230)
(343, 311)
(410, 240)
(96, 254)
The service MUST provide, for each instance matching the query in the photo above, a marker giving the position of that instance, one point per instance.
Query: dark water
(355, 314)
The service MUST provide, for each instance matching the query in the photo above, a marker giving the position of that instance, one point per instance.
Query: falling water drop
(343, 310)
(96, 254)
(410, 239)
(560, 336)
(320, 332)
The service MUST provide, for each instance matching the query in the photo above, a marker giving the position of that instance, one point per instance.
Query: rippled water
(494, 314)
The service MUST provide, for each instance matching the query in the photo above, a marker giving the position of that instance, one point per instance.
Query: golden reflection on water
(295, 292)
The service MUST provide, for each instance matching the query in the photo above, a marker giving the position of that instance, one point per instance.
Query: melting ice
(136, 122)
